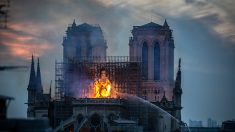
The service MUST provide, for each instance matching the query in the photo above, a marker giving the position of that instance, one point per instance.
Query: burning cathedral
(99, 93)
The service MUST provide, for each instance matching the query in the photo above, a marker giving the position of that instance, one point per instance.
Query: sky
(203, 30)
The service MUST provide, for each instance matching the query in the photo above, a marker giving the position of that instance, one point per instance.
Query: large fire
(102, 88)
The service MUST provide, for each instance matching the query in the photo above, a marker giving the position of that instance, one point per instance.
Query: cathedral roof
(151, 24)
(85, 25)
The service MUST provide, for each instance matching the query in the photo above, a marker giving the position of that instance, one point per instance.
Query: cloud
(215, 15)
(19, 43)
(199, 10)
(116, 17)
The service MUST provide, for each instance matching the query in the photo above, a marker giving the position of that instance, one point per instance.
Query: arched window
(145, 60)
(156, 61)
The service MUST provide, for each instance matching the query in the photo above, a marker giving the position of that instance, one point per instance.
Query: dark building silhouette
(4, 103)
(37, 100)
(228, 126)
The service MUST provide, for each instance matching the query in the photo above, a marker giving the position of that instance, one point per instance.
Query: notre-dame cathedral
(150, 77)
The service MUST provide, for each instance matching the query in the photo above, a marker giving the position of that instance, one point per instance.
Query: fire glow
(98, 88)
(102, 89)
(102, 86)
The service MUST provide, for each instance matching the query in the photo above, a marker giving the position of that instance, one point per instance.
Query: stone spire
(178, 76)
(31, 89)
(165, 24)
(38, 78)
(164, 94)
(177, 92)
(164, 99)
(32, 78)
(74, 23)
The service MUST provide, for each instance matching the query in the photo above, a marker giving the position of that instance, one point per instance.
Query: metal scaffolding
(124, 73)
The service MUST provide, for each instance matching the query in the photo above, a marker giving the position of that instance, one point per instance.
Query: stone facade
(154, 35)
(154, 44)
(84, 40)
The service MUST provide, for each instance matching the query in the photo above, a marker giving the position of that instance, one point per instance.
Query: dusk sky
(203, 30)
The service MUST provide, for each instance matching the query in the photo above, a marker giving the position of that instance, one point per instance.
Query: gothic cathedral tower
(84, 42)
(154, 44)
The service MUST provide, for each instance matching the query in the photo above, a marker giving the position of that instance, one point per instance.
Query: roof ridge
(151, 24)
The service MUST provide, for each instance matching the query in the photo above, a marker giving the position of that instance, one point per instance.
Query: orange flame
(102, 89)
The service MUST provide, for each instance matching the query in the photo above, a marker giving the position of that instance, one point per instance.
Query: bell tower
(84, 41)
(154, 44)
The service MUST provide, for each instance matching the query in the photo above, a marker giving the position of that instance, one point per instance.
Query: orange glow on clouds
(22, 42)
(25, 50)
